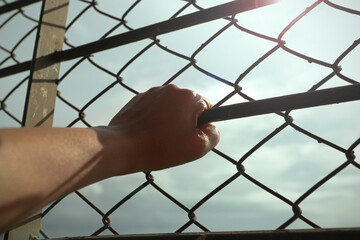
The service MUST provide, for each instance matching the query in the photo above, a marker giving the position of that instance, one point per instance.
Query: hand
(160, 128)
(155, 130)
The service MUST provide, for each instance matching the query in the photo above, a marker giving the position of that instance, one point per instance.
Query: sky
(290, 163)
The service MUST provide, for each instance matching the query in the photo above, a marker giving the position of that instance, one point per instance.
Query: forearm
(38, 166)
(155, 130)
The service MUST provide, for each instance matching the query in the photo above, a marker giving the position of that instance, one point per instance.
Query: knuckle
(189, 94)
(171, 87)
(153, 89)
(181, 92)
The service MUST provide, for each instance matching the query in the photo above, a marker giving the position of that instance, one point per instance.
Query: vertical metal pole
(42, 89)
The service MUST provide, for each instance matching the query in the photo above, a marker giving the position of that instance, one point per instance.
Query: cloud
(289, 163)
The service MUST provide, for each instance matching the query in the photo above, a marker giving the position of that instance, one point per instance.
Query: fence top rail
(15, 5)
(283, 103)
(156, 29)
(298, 234)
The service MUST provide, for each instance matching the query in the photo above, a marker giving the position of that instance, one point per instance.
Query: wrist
(116, 153)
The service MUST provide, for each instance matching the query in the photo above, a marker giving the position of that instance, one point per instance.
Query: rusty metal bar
(306, 234)
(13, 69)
(42, 88)
(171, 25)
(283, 103)
(15, 5)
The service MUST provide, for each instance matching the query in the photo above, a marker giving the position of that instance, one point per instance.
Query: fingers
(211, 136)
(189, 105)
(207, 135)
(208, 103)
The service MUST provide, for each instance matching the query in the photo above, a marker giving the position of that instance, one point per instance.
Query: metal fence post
(42, 88)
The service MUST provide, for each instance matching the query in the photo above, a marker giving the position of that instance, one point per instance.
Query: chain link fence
(285, 170)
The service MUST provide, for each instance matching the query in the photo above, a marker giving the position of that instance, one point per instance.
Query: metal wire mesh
(89, 83)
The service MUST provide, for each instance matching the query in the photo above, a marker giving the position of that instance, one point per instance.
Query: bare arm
(155, 130)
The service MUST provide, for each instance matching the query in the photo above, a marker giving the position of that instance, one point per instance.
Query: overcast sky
(290, 163)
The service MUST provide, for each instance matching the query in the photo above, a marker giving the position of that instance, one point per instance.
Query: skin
(155, 130)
